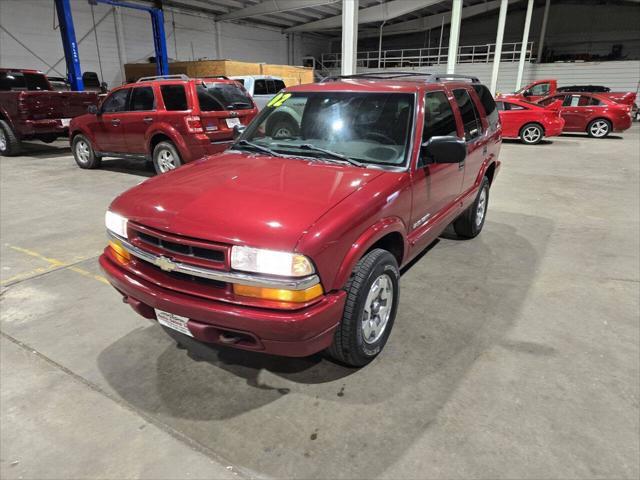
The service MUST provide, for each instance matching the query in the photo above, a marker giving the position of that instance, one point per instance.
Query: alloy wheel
(82, 151)
(377, 309)
(166, 160)
(599, 128)
(3, 140)
(481, 207)
(532, 134)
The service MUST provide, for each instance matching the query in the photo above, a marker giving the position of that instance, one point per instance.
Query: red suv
(171, 120)
(292, 243)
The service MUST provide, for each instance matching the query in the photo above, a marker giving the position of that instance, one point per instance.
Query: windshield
(222, 96)
(367, 128)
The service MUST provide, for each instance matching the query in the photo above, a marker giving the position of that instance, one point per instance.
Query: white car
(261, 87)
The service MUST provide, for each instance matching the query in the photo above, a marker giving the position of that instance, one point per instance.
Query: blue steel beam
(157, 24)
(69, 44)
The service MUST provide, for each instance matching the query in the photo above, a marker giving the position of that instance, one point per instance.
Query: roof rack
(428, 77)
(180, 76)
(223, 77)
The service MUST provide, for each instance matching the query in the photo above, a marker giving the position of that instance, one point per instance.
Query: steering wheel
(380, 138)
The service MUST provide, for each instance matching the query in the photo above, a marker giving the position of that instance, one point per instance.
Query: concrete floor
(514, 355)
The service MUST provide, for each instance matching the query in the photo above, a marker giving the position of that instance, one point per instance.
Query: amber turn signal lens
(278, 294)
(120, 253)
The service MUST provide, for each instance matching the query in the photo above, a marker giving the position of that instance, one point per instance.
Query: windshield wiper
(333, 155)
(255, 146)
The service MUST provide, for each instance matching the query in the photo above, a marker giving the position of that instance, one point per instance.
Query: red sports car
(592, 113)
(529, 121)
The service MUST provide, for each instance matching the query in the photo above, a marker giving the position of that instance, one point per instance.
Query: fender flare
(4, 115)
(368, 238)
(167, 131)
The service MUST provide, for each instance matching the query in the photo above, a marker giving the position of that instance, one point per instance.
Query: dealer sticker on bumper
(65, 122)
(173, 321)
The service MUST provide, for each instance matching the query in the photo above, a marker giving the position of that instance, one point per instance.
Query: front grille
(189, 250)
(186, 277)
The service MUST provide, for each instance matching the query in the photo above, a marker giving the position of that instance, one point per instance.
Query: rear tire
(9, 143)
(531, 134)
(470, 223)
(599, 128)
(370, 309)
(165, 157)
(83, 153)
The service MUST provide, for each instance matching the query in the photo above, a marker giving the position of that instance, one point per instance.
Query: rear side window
(174, 97)
(22, 81)
(279, 84)
(222, 96)
(142, 99)
(260, 87)
(469, 114)
(117, 101)
(593, 101)
(438, 116)
(486, 99)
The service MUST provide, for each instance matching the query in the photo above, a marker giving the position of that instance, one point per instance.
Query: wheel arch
(388, 234)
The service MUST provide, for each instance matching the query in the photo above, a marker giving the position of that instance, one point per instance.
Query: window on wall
(438, 116)
(469, 113)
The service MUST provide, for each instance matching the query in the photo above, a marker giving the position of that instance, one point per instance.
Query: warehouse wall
(619, 76)
(37, 44)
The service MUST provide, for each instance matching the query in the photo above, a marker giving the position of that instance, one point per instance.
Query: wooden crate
(291, 75)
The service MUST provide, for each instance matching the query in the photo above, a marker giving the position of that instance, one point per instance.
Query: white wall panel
(32, 23)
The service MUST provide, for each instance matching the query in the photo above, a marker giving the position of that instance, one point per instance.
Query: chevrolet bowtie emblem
(165, 264)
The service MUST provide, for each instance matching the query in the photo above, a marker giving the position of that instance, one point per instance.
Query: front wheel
(599, 128)
(470, 223)
(83, 152)
(166, 157)
(370, 309)
(531, 134)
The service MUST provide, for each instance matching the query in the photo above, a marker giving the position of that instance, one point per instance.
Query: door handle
(147, 119)
(115, 122)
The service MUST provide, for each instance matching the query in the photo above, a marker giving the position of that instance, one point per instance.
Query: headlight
(116, 223)
(270, 262)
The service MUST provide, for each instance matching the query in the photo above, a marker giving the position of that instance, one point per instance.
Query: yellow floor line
(53, 263)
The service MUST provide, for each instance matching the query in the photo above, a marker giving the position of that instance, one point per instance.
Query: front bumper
(296, 333)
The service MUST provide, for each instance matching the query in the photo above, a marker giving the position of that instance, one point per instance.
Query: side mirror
(92, 109)
(443, 150)
(238, 129)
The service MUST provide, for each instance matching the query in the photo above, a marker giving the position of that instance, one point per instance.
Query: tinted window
(438, 116)
(550, 100)
(222, 96)
(22, 81)
(142, 98)
(117, 101)
(594, 101)
(488, 103)
(174, 96)
(513, 106)
(500, 106)
(469, 114)
(279, 85)
(260, 88)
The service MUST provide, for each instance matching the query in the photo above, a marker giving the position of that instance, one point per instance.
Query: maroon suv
(171, 120)
(292, 242)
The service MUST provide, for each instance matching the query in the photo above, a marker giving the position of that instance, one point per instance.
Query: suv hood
(241, 198)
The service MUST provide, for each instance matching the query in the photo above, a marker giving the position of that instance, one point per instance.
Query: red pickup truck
(293, 243)
(31, 109)
(544, 88)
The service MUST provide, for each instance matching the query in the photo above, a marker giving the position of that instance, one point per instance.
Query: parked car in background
(543, 88)
(31, 109)
(262, 88)
(584, 88)
(294, 245)
(529, 121)
(171, 120)
(592, 113)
